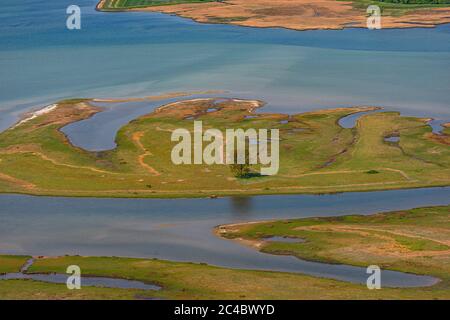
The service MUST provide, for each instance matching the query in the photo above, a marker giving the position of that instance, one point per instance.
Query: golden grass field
(291, 14)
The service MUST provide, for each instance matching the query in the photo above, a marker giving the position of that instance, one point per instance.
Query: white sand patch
(254, 103)
(191, 100)
(33, 115)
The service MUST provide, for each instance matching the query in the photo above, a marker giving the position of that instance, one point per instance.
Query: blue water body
(86, 281)
(98, 133)
(437, 125)
(351, 120)
(180, 229)
(392, 139)
(137, 54)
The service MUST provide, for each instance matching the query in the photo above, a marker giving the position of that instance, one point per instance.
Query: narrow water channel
(88, 281)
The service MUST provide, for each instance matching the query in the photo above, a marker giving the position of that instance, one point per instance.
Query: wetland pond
(88, 281)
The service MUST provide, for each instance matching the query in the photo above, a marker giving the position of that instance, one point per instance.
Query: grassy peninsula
(317, 155)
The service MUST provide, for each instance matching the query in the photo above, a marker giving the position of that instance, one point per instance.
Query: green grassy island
(415, 241)
(113, 5)
(317, 155)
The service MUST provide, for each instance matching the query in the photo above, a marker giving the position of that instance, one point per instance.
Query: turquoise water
(136, 54)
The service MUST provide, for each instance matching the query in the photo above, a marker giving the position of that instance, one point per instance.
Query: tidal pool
(392, 139)
(284, 239)
(98, 133)
(350, 121)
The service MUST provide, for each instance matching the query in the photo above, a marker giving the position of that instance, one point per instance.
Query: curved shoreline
(227, 231)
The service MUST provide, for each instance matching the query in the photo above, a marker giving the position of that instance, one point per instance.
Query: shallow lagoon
(86, 280)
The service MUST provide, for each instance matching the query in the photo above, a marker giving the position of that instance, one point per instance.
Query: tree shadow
(251, 175)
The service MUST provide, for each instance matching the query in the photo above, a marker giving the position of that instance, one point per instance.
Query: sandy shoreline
(34, 114)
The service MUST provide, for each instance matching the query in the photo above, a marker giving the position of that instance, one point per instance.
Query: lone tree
(241, 170)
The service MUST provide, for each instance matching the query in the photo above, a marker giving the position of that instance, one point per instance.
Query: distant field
(316, 154)
(129, 4)
(400, 7)
(414, 2)
(296, 14)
